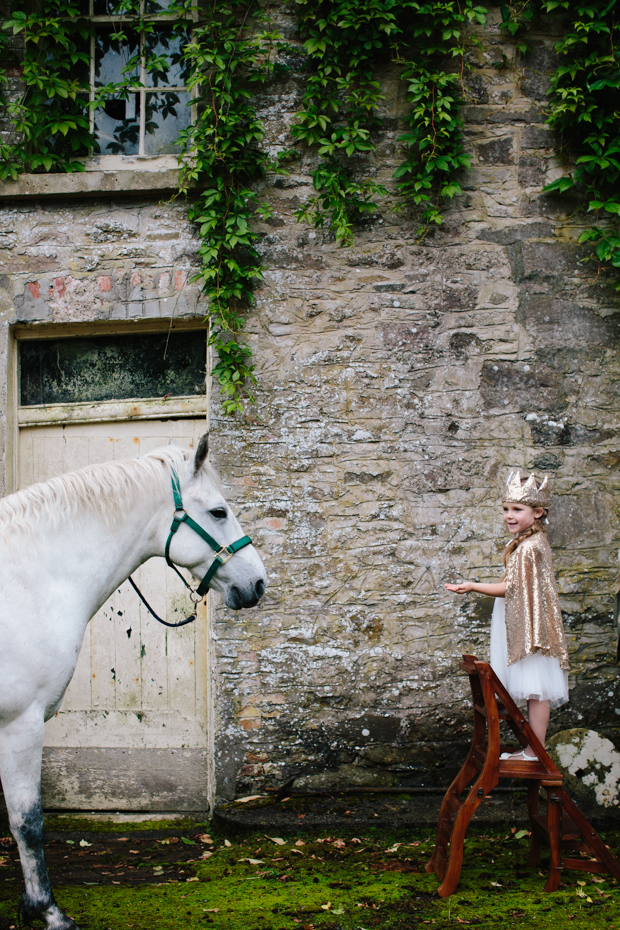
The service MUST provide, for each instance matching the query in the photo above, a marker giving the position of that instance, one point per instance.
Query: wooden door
(133, 729)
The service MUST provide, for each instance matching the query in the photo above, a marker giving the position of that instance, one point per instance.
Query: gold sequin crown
(531, 492)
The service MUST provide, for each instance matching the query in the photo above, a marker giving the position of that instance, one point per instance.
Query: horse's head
(241, 579)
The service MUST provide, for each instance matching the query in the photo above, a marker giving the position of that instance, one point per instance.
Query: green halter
(222, 553)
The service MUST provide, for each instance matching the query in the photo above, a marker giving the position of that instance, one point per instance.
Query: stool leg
(438, 860)
(459, 829)
(554, 819)
(533, 789)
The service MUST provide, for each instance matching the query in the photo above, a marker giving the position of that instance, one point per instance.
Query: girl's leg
(538, 715)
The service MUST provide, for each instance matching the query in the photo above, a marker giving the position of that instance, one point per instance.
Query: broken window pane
(117, 122)
(117, 55)
(140, 77)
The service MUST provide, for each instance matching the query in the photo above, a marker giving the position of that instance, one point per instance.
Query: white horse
(65, 546)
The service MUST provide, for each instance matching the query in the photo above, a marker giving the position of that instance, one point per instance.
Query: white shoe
(520, 756)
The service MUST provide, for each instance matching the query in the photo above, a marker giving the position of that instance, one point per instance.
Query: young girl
(528, 647)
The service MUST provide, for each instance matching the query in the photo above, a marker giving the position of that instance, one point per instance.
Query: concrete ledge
(97, 183)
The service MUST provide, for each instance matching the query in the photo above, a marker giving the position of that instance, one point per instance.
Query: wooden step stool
(563, 827)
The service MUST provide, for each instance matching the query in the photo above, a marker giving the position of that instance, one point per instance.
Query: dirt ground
(190, 874)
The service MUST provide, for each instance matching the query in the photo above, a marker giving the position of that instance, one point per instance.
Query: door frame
(108, 411)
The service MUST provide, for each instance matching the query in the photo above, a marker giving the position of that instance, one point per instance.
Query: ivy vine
(51, 117)
(230, 57)
(584, 103)
(347, 41)
(343, 40)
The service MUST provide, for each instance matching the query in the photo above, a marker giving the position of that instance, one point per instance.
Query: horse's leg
(21, 743)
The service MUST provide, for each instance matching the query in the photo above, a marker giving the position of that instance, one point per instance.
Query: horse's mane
(103, 488)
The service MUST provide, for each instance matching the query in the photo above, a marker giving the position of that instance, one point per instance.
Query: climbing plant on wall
(343, 42)
(584, 101)
(230, 58)
(50, 118)
(347, 41)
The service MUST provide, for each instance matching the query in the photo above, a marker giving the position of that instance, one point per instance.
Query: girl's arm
(492, 590)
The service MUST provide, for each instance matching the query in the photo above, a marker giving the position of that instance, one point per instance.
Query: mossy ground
(156, 876)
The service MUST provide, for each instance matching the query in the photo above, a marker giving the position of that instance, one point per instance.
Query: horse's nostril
(236, 598)
(259, 588)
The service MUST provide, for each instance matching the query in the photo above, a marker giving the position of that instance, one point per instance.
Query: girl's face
(518, 517)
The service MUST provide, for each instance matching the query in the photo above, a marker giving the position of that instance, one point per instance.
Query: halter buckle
(224, 559)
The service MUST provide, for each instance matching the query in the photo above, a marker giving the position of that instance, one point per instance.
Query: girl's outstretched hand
(463, 588)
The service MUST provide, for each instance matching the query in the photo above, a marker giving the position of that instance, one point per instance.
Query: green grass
(335, 883)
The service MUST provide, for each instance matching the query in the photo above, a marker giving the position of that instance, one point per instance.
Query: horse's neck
(94, 554)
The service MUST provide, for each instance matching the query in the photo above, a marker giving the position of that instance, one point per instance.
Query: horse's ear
(201, 453)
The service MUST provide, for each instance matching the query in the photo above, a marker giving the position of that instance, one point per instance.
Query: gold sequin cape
(533, 615)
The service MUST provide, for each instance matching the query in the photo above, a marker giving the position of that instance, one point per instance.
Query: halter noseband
(222, 553)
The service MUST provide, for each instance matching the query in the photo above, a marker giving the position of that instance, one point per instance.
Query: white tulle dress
(536, 676)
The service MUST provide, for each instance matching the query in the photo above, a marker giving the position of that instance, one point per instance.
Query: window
(138, 45)
(101, 368)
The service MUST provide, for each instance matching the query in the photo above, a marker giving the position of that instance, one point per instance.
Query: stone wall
(397, 383)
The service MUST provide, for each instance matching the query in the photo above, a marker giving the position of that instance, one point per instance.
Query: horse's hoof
(52, 916)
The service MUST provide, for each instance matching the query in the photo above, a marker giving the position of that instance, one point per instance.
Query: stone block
(464, 343)
(346, 776)
(538, 137)
(580, 520)
(559, 322)
(532, 385)
(497, 152)
(507, 235)
(389, 287)
(547, 258)
(535, 80)
(531, 171)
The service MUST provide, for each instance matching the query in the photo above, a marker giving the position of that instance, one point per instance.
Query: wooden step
(511, 769)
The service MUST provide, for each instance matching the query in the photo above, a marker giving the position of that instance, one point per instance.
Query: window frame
(119, 161)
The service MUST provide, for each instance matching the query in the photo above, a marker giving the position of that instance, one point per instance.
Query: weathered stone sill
(93, 183)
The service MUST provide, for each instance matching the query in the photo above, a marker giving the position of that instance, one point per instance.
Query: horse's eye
(218, 512)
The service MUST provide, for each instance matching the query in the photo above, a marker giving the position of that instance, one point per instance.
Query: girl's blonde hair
(538, 526)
